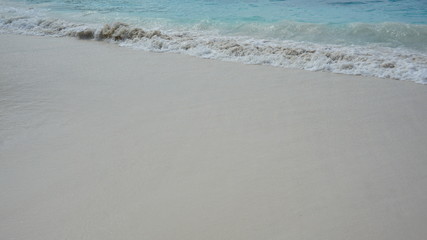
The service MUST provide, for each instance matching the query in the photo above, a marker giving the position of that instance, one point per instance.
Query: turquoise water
(383, 38)
(310, 11)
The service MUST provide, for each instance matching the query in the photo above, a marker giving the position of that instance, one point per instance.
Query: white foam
(356, 60)
(367, 60)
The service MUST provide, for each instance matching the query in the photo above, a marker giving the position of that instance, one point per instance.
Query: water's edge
(370, 60)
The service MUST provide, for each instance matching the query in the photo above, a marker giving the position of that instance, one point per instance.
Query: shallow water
(313, 11)
(372, 38)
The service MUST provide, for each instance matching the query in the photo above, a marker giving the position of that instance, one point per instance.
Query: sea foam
(367, 60)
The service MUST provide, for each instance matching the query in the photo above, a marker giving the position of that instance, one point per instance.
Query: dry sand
(102, 142)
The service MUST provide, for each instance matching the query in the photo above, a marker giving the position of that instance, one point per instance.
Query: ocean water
(379, 38)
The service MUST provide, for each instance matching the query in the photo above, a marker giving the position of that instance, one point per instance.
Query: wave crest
(368, 60)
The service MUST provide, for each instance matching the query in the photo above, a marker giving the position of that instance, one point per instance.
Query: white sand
(102, 142)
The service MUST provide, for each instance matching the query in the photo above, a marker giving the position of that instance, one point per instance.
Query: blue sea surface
(352, 30)
(311, 11)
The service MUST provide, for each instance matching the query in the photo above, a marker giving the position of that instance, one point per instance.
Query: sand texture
(102, 142)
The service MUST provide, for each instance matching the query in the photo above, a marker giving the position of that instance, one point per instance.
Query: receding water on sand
(369, 38)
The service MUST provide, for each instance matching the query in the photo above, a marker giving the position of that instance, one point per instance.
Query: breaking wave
(367, 60)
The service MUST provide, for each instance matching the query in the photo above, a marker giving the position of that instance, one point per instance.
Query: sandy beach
(103, 142)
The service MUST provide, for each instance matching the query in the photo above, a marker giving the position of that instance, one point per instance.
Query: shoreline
(103, 142)
(397, 58)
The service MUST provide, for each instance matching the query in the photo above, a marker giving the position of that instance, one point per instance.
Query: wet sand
(103, 142)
